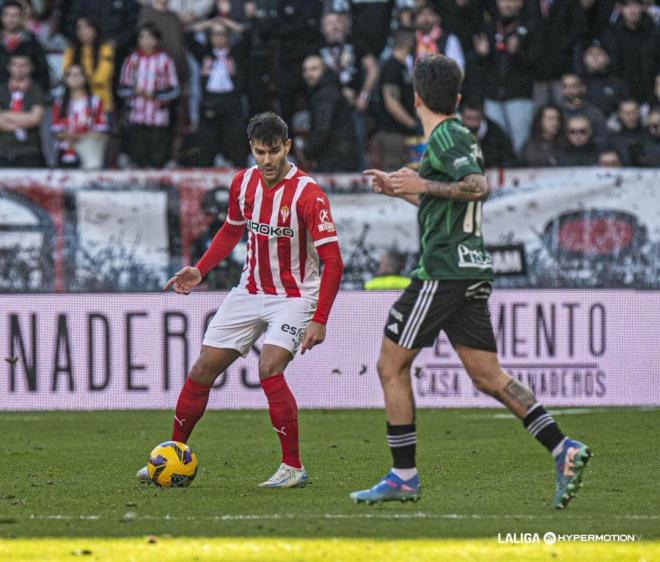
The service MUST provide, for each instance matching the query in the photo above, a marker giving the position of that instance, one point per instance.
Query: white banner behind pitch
(587, 348)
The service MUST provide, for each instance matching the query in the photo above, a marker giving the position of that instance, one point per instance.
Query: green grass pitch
(71, 474)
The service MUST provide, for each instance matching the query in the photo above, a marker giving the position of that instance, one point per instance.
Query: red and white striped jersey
(286, 224)
(150, 83)
(81, 116)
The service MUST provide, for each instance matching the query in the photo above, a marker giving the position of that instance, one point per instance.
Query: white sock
(405, 473)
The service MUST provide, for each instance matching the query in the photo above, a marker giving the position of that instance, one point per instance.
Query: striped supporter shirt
(149, 81)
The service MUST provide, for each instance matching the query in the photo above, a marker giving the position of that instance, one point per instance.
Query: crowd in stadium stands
(163, 83)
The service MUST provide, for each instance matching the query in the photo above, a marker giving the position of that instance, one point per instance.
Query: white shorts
(242, 318)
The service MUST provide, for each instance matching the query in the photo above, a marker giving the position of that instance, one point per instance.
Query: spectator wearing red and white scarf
(21, 112)
(76, 115)
(432, 39)
(14, 39)
(149, 82)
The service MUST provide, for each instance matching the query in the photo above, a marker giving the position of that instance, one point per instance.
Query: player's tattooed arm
(519, 393)
(473, 187)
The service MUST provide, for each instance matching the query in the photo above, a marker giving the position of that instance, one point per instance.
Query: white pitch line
(275, 516)
(555, 412)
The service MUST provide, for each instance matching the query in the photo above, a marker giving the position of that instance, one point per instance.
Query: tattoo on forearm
(519, 393)
(472, 187)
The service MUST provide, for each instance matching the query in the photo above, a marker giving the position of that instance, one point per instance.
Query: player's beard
(273, 172)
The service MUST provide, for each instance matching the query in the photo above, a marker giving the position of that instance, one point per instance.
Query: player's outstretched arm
(381, 182)
(184, 280)
(472, 187)
(221, 246)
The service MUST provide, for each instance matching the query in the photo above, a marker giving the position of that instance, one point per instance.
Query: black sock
(402, 440)
(543, 426)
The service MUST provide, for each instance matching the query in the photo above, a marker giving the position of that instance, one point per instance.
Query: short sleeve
(454, 153)
(234, 214)
(391, 74)
(315, 210)
(37, 96)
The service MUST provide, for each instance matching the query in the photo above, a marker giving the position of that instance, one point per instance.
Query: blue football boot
(390, 488)
(570, 465)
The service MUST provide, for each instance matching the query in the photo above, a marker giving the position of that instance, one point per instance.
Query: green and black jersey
(451, 245)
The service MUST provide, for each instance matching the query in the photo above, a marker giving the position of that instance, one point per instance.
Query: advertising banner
(116, 351)
(83, 232)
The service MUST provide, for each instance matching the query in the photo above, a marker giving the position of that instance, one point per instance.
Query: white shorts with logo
(242, 318)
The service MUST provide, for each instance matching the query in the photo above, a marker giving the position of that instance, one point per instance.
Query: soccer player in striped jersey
(450, 290)
(282, 291)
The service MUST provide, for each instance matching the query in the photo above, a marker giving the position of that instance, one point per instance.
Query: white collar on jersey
(292, 172)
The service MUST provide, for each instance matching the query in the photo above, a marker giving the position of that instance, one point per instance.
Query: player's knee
(388, 370)
(268, 368)
(202, 372)
(382, 368)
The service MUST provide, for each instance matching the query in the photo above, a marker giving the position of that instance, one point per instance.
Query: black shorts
(460, 308)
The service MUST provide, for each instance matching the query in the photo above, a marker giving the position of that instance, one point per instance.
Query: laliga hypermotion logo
(326, 225)
(284, 213)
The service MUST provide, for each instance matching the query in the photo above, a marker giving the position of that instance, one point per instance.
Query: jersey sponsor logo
(460, 162)
(284, 213)
(473, 258)
(268, 230)
(326, 225)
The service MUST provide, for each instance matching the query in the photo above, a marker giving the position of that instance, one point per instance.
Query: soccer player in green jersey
(450, 290)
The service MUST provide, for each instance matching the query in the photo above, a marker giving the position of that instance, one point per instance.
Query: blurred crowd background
(171, 83)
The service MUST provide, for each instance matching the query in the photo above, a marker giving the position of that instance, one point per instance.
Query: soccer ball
(172, 465)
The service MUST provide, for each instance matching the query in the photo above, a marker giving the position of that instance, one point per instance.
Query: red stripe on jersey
(247, 213)
(265, 271)
(284, 244)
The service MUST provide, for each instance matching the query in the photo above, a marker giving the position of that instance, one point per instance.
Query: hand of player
(380, 181)
(184, 280)
(407, 182)
(314, 335)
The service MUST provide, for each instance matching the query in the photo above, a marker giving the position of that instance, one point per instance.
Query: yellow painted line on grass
(313, 550)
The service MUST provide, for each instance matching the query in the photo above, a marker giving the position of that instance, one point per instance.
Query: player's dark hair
(267, 128)
(437, 80)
